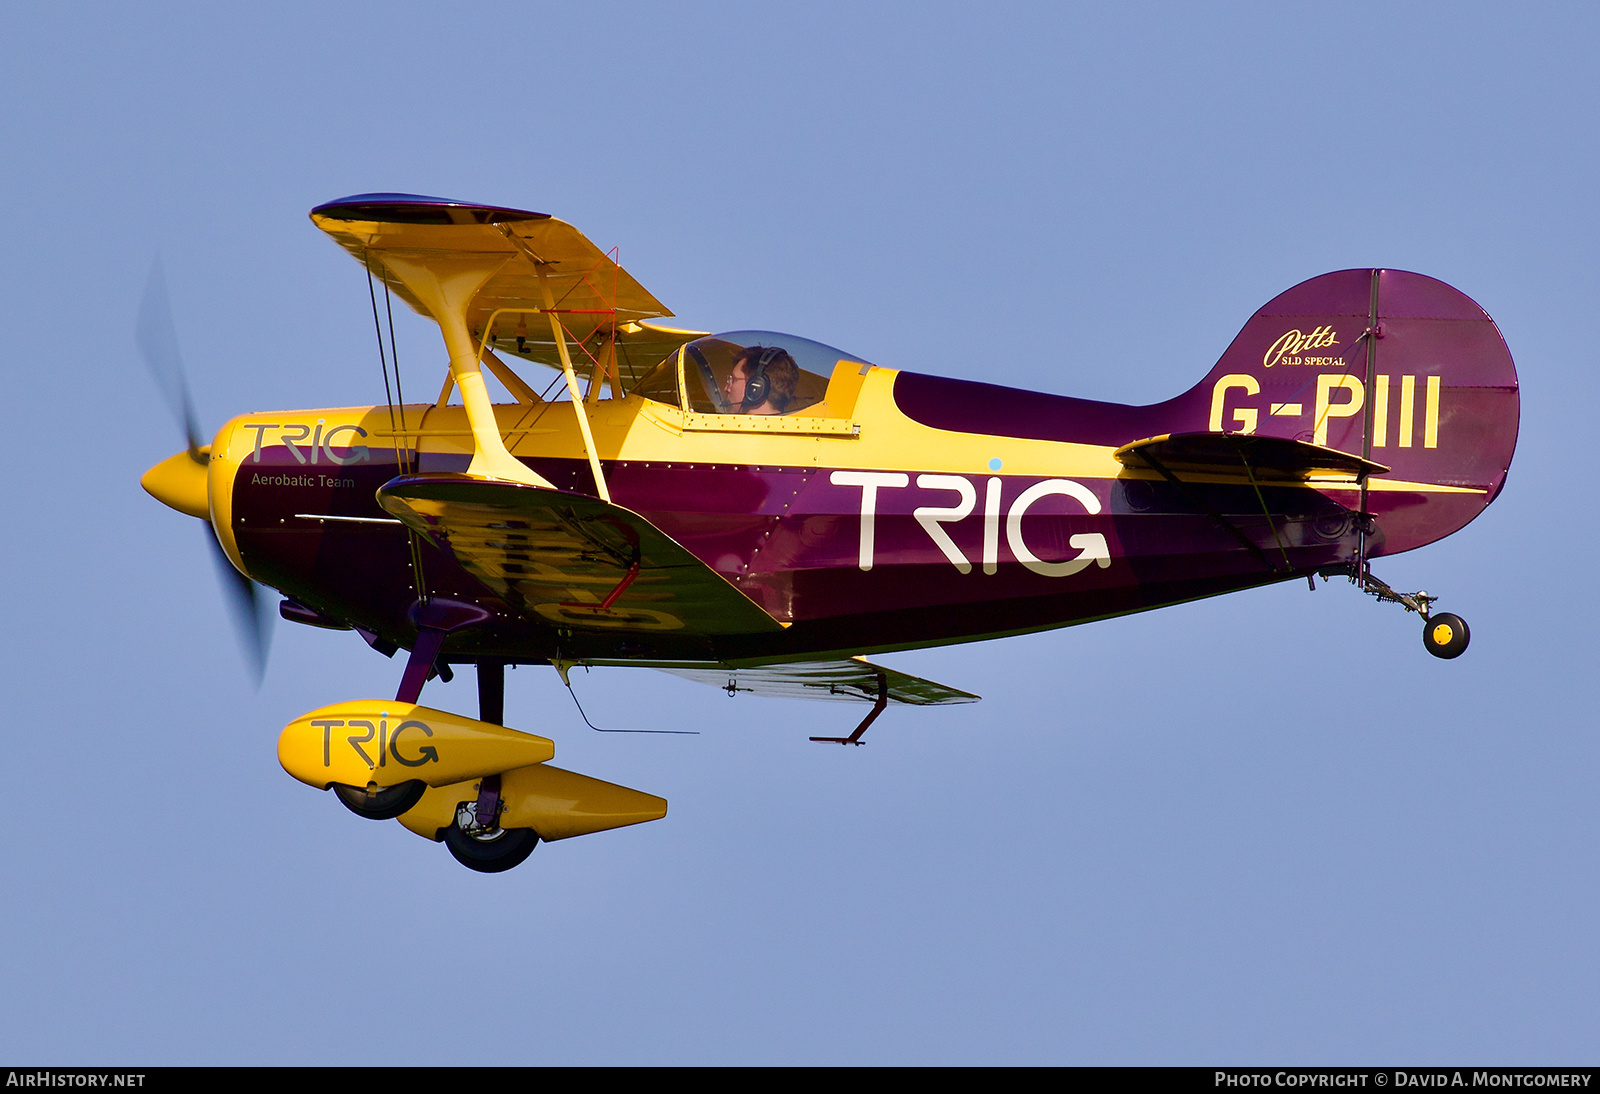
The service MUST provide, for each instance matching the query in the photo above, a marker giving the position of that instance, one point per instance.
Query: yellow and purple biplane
(760, 512)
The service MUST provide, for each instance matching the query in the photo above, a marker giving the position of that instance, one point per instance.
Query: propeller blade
(248, 605)
(157, 336)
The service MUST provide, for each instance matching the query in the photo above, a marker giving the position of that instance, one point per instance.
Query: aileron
(851, 680)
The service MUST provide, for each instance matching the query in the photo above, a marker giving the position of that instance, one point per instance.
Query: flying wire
(378, 330)
(401, 448)
(394, 353)
(545, 403)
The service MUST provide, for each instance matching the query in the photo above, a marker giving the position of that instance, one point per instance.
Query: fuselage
(876, 523)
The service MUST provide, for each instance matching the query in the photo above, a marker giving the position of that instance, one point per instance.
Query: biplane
(763, 513)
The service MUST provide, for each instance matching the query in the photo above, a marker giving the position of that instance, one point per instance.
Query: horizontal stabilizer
(854, 680)
(1241, 454)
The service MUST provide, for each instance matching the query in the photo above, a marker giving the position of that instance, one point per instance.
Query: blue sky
(1265, 827)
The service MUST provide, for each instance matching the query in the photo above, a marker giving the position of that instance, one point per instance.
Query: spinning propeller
(157, 336)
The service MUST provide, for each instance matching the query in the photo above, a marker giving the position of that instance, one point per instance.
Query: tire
(1445, 635)
(492, 851)
(383, 804)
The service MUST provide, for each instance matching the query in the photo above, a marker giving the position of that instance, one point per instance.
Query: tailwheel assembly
(1444, 634)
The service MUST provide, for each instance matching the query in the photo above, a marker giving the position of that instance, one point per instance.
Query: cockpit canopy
(709, 362)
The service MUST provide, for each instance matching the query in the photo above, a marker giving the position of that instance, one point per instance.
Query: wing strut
(446, 283)
(578, 406)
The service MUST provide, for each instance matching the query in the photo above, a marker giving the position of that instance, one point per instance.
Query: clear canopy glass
(748, 372)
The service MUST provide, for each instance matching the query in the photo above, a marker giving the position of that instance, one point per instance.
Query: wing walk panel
(854, 680)
(572, 559)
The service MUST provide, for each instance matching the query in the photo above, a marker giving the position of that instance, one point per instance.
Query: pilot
(763, 381)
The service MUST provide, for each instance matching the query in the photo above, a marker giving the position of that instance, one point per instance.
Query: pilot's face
(733, 388)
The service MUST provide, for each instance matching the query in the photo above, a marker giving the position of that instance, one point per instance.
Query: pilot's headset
(756, 384)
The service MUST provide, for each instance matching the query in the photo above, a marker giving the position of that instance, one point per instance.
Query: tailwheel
(488, 850)
(1445, 635)
(380, 803)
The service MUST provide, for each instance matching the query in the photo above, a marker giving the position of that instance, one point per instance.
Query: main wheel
(385, 803)
(1445, 635)
(490, 850)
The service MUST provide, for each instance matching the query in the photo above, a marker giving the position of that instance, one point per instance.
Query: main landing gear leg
(476, 839)
(491, 709)
(1444, 634)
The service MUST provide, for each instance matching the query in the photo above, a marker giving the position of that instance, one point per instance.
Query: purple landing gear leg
(419, 666)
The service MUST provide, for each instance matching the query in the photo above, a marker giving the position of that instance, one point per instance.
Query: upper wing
(853, 680)
(1234, 454)
(572, 559)
(594, 296)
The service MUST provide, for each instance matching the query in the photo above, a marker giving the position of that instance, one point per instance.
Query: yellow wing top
(541, 264)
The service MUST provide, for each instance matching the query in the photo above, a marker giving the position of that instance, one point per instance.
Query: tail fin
(1394, 366)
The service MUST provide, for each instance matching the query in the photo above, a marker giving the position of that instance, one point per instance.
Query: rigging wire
(398, 437)
(597, 729)
(394, 355)
(544, 404)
